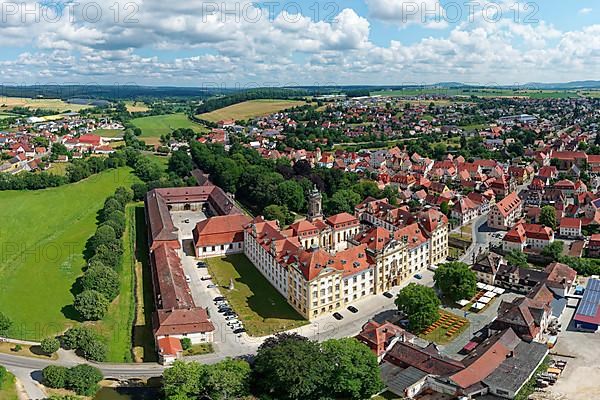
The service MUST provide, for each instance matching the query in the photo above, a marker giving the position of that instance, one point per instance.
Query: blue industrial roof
(588, 305)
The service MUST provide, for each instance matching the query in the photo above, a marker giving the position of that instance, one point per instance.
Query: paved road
(480, 239)
(120, 371)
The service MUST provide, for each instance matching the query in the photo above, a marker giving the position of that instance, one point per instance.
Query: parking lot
(225, 340)
(185, 228)
(581, 377)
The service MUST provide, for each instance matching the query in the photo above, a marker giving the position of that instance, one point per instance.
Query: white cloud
(585, 11)
(190, 46)
(404, 12)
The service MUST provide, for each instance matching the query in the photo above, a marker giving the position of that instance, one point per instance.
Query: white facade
(219, 250)
(266, 264)
(358, 285)
(196, 338)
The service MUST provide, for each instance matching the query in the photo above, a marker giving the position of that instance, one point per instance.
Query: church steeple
(315, 200)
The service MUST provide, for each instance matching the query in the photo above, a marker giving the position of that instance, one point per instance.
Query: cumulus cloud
(188, 43)
(403, 12)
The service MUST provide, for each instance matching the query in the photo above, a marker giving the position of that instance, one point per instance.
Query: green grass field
(117, 325)
(143, 339)
(42, 236)
(262, 309)
(8, 390)
(110, 133)
(250, 109)
(155, 126)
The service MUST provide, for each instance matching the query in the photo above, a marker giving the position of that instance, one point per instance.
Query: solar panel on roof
(588, 306)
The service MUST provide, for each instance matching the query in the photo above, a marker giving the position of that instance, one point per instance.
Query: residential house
(505, 213)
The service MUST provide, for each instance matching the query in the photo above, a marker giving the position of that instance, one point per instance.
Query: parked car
(219, 298)
(187, 220)
(239, 330)
(352, 309)
(206, 278)
(212, 286)
(229, 318)
(388, 295)
(201, 264)
(230, 314)
(188, 278)
(418, 276)
(338, 316)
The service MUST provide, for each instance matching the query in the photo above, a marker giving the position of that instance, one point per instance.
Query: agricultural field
(110, 133)
(481, 92)
(58, 105)
(42, 237)
(154, 126)
(250, 109)
(595, 94)
(4, 115)
(136, 106)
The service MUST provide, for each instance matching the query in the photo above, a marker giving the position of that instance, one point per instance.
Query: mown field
(155, 126)
(42, 237)
(250, 109)
(136, 106)
(8, 103)
(110, 133)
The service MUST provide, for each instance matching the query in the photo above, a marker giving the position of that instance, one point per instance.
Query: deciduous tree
(91, 304)
(356, 374)
(456, 281)
(421, 304)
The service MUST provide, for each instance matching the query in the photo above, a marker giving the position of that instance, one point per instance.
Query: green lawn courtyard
(42, 237)
(261, 308)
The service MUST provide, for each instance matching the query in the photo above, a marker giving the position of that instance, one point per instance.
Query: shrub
(50, 345)
(186, 343)
(55, 376)
(83, 379)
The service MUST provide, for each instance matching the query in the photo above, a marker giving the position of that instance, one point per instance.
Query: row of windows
(222, 247)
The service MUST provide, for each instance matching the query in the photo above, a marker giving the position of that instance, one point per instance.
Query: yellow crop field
(8, 103)
(250, 109)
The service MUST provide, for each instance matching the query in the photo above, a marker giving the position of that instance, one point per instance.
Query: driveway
(480, 233)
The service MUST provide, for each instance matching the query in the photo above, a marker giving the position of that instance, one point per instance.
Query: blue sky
(237, 42)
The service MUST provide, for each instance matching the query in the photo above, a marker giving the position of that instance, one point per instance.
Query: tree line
(275, 188)
(286, 367)
(246, 95)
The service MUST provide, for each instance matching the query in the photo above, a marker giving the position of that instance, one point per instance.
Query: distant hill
(565, 86)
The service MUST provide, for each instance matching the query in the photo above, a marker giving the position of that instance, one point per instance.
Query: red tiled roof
(376, 238)
(508, 204)
(570, 223)
(169, 346)
(342, 218)
(220, 230)
(183, 321)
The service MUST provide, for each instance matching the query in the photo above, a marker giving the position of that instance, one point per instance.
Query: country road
(118, 371)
